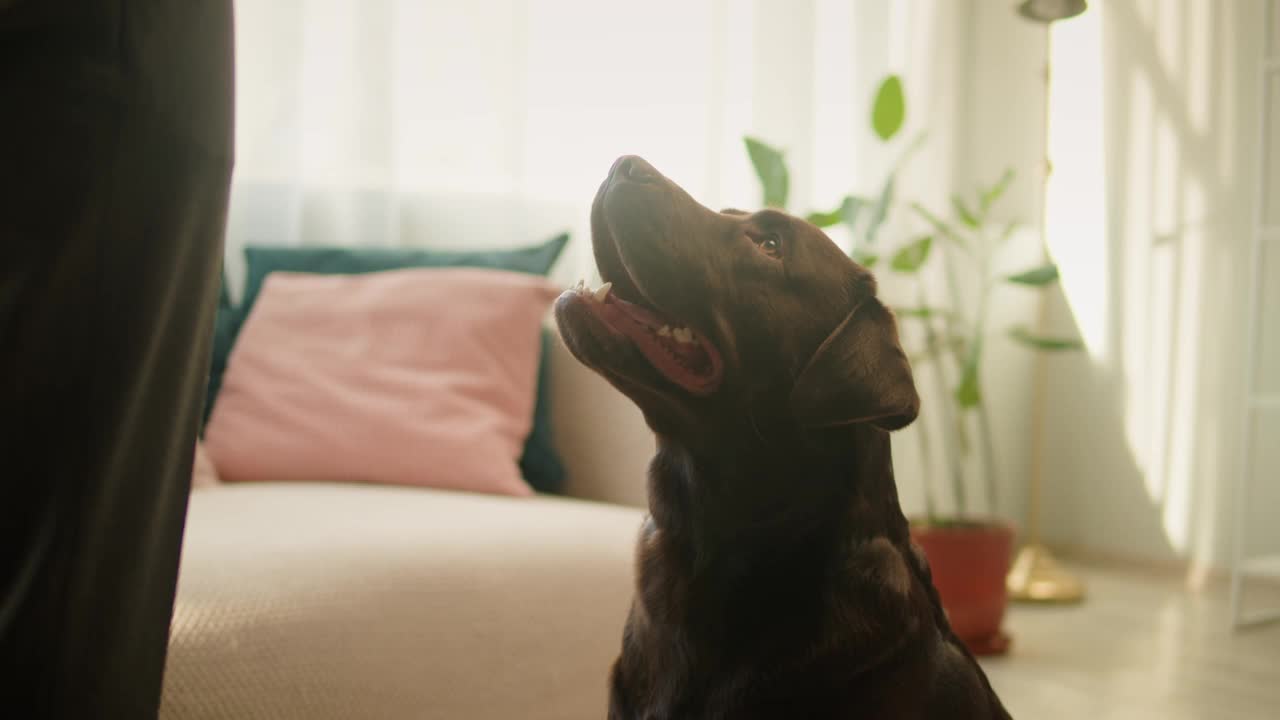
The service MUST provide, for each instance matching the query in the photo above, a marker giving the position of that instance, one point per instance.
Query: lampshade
(1047, 11)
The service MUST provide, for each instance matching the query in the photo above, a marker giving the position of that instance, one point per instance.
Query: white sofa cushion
(330, 601)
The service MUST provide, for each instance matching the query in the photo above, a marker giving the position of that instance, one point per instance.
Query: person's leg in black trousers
(115, 160)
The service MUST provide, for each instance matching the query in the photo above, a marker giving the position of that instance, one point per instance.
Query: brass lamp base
(1036, 577)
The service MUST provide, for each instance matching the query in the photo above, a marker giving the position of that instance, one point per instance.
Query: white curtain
(491, 122)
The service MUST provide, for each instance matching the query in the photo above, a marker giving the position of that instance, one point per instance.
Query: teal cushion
(226, 322)
(539, 463)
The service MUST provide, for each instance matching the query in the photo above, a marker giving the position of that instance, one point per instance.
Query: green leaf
(889, 108)
(938, 224)
(851, 208)
(1040, 342)
(1036, 277)
(825, 219)
(881, 210)
(965, 214)
(912, 255)
(864, 258)
(771, 168)
(968, 393)
(923, 312)
(993, 193)
(846, 213)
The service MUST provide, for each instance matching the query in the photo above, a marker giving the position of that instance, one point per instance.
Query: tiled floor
(1140, 648)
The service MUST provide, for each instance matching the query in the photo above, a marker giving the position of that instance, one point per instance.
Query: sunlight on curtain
(1076, 205)
(492, 122)
(1153, 260)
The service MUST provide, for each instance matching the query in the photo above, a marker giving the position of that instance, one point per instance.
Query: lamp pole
(1035, 576)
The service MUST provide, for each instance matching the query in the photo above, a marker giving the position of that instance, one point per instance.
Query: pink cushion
(408, 377)
(203, 473)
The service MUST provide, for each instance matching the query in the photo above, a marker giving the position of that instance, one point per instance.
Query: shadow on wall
(1143, 432)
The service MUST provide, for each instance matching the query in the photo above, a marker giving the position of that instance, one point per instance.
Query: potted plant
(969, 551)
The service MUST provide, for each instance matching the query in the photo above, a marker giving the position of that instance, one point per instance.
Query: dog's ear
(858, 374)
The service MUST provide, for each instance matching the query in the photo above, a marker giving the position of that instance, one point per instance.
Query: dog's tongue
(682, 355)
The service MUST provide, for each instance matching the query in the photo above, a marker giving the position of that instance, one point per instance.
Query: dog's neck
(757, 509)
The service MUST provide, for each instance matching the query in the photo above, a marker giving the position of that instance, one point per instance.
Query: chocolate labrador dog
(776, 577)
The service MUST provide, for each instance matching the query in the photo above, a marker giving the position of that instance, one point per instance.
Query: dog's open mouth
(678, 353)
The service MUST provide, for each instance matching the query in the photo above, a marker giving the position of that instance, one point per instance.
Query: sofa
(328, 600)
(318, 600)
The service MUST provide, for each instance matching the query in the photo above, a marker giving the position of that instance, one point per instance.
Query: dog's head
(712, 317)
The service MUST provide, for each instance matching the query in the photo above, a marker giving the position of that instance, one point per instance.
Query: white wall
(1151, 213)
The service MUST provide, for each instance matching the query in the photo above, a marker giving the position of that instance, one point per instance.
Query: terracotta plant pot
(970, 560)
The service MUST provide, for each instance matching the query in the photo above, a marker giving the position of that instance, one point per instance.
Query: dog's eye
(770, 244)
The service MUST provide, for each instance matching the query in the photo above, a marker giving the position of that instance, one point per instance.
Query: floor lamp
(1035, 576)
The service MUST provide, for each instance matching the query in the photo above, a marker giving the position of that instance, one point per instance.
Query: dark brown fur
(776, 577)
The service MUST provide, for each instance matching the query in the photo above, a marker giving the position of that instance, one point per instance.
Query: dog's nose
(634, 168)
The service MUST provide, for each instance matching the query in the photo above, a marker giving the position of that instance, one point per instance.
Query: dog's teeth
(602, 292)
(665, 331)
(683, 335)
